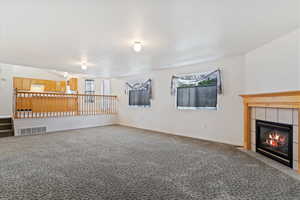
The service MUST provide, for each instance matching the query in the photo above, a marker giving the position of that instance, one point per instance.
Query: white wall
(65, 123)
(222, 125)
(274, 66)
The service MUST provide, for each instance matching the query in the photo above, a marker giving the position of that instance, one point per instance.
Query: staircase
(6, 127)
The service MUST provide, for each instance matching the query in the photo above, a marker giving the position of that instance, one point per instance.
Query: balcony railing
(43, 105)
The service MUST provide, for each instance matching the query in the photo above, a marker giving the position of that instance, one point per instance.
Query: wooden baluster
(97, 105)
(101, 105)
(26, 105)
(23, 104)
(65, 104)
(81, 105)
(106, 104)
(56, 111)
(59, 105)
(86, 104)
(115, 104)
(33, 104)
(30, 105)
(40, 104)
(43, 105)
(47, 105)
(19, 105)
(110, 105)
(89, 104)
(107, 99)
(94, 105)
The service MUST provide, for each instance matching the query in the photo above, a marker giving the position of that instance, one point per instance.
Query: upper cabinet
(73, 84)
(22, 84)
(62, 86)
(49, 85)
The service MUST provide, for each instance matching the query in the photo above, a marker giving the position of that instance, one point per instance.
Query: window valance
(139, 85)
(197, 79)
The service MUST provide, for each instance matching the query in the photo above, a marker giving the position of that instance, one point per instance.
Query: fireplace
(275, 141)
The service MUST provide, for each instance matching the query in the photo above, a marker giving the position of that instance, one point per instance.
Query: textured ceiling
(57, 34)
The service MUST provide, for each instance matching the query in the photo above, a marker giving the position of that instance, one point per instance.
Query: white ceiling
(57, 34)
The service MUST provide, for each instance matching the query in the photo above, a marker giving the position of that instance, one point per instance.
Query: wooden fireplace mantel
(288, 99)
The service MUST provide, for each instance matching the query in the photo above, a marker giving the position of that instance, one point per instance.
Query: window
(89, 89)
(202, 95)
(139, 97)
(139, 92)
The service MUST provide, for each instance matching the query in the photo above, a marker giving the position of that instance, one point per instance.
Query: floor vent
(32, 131)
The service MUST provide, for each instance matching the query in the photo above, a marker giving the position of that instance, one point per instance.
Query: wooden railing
(42, 105)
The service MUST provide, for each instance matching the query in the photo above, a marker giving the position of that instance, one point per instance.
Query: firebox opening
(275, 140)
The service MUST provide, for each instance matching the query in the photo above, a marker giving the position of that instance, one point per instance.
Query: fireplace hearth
(275, 140)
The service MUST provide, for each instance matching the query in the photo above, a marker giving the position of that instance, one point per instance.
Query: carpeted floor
(120, 163)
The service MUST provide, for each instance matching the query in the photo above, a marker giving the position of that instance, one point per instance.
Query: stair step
(5, 127)
(5, 124)
(6, 130)
(5, 120)
(7, 134)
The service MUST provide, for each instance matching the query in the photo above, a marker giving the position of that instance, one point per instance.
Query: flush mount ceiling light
(65, 74)
(137, 46)
(83, 65)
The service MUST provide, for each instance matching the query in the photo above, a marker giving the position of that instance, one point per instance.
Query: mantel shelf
(288, 99)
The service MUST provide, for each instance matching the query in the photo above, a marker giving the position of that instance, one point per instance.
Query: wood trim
(247, 127)
(58, 93)
(273, 94)
(274, 105)
(298, 141)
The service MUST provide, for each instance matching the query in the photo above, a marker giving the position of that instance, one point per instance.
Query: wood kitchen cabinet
(73, 82)
(50, 86)
(24, 84)
(60, 86)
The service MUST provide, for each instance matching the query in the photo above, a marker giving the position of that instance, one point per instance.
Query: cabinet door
(63, 86)
(50, 86)
(17, 83)
(26, 84)
(73, 84)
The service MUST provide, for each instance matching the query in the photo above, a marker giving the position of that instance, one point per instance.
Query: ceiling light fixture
(65, 74)
(137, 46)
(83, 66)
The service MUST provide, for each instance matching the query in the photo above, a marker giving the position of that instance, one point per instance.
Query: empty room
(149, 100)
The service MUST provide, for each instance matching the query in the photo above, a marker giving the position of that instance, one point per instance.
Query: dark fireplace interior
(275, 141)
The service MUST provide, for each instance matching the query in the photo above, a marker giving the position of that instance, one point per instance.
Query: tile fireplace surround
(280, 107)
